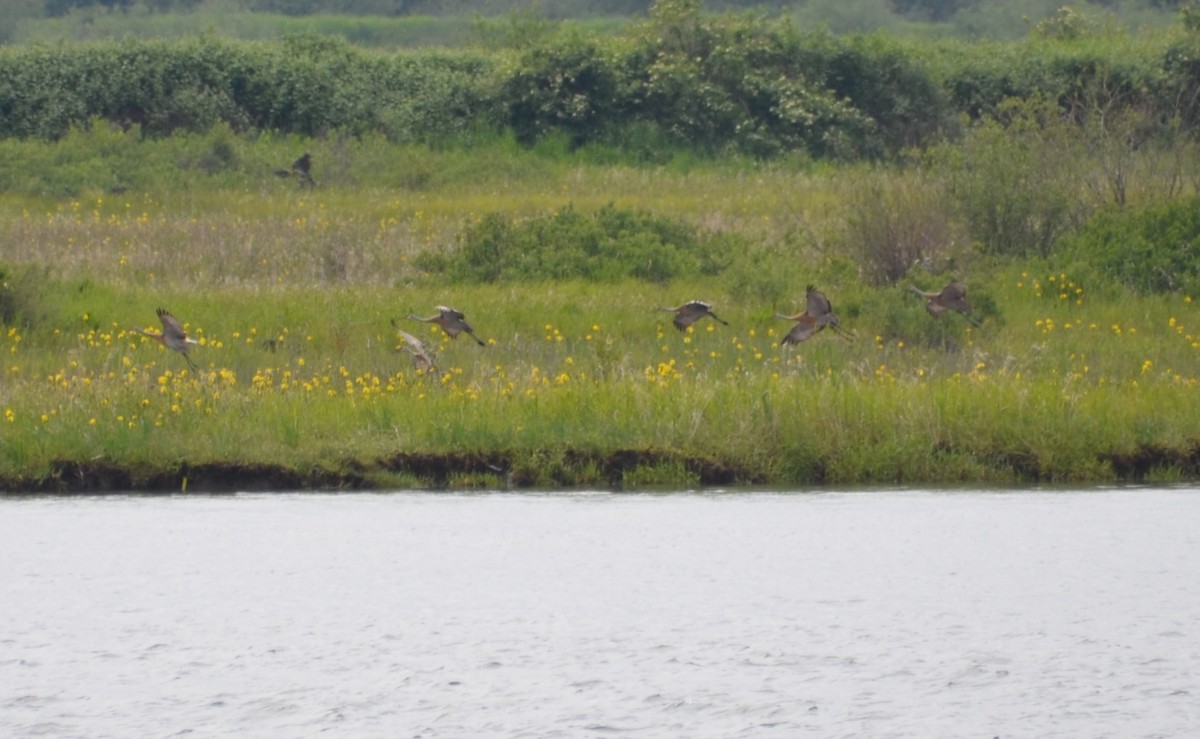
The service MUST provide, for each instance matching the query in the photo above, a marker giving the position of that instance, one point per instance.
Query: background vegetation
(392, 23)
(560, 191)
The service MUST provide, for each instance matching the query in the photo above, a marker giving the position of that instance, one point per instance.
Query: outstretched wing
(172, 329)
(801, 332)
(954, 296)
(818, 304)
(689, 313)
(416, 348)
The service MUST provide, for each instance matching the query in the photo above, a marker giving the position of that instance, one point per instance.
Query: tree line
(681, 78)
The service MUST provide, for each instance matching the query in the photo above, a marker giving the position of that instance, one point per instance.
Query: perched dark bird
(172, 336)
(452, 322)
(952, 297)
(301, 169)
(690, 312)
(818, 314)
(421, 358)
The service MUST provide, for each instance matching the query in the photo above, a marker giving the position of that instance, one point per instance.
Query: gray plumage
(421, 358)
(951, 297)
(452, 321)
(818, 313)
(172, 337)
(690, 312)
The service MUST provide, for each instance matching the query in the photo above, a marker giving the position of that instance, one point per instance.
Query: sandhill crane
(172, 335)
(818, 314)
(452, 322)
(690, 312)
(421, 358)
(952, 297)
(301, 169)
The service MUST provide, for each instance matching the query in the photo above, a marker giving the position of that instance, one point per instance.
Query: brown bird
(301, 169)
(421, 358)
(952, 297)
(818, 314)
(692, 311)
(452, 322)
(172, 336)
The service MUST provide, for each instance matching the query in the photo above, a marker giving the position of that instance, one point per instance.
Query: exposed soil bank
(561, 469)
(422, 470)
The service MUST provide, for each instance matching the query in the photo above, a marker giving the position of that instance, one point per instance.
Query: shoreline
(574, 469)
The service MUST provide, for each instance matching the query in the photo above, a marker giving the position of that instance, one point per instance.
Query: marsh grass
(291, 293)
(603, 373)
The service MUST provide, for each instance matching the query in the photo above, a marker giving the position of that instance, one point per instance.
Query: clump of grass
(608, 245)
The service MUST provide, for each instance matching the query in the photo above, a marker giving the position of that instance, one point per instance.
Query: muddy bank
(557, 469)
(437, 471)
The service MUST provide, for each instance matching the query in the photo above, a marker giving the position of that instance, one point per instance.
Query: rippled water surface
(875, 614)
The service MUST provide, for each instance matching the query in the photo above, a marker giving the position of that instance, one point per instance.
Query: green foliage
(750, 273)
(567, 85)
(609, 245)
(305, 84)
(897, 222)
(1067, 24)
(726, 83)
(1013, 184)
(21, 290)
(102, 157)
(892, 87)
(681, 79)
(290, 291)
(1154, 249)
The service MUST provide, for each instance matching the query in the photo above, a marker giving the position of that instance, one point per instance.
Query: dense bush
(609, 245)
(1015, 184)
(730, 82)
(567, 86)
(681, 78)
(896, 223)
(1153, 249)
(306, 85)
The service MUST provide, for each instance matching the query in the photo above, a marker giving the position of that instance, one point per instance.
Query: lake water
(824, 614)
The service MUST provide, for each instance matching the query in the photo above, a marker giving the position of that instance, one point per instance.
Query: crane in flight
(452, 321)
(172, 336)
(692, 311)
(301, 169)
(421, 358)
(817, 314)
(952, 297)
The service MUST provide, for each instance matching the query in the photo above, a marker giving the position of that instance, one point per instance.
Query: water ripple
(893, 614)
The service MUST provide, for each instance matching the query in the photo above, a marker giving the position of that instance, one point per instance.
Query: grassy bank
(587, 385)
(301, 381)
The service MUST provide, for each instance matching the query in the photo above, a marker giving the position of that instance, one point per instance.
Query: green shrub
(306, 84)
(564, 85)
(609, 245)
(1154, 249)
(725, 83)
(20, 292)
(895, 223)
(1013, 181)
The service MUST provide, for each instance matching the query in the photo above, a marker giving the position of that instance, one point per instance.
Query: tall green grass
(313, 378)
(291, 292)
